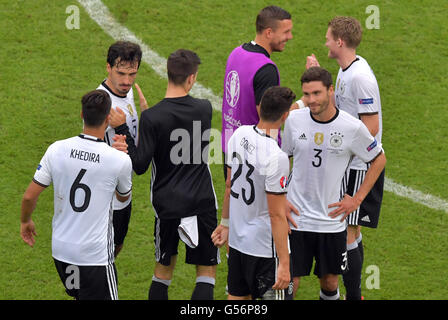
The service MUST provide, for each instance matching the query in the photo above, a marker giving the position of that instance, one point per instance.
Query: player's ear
(82, 116)
(108, 68)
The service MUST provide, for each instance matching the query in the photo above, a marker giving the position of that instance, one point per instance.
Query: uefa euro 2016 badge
(336, 139)
(232, 88)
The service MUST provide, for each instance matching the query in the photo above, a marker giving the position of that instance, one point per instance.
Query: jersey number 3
(87, 192)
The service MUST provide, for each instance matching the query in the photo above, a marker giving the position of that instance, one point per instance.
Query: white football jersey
(357, 93)
(258, 166)
(85, 173)
(322, 152)
(126, 103)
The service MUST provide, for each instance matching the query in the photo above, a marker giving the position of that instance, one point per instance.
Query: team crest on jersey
(336, 139)
(131, 111)
(283, 182)
(318, 138)
(340, 86)
(232, 88)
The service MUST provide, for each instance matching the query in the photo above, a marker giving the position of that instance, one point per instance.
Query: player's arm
(288, 148)
(365, 91)
(221, 233)
(124, 184)
(141, 157)
(265, 77)
(29, 202)
(349, 204)
(372, 122)
(279, 225)
(370, 151)
(142, 100)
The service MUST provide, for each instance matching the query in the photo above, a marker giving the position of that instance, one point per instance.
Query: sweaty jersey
(322, 152)
(85, 173)
(126, 103)
(258, 166)
(357, 93)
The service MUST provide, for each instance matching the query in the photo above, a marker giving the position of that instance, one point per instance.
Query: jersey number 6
(78, 185)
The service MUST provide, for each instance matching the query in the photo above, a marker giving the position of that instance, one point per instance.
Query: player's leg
(205, 283)
(166, 240)
(238, 286)
(329, 289)
(120, 222)
(71, 285)
(352, 276)
(368, 216)
(331, 261)
(302, 256)
(205, 256)
(98, 283)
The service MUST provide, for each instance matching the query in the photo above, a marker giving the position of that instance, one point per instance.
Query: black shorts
(328, 249)
(255, 276)
(368, 214)
(88, 282)
(121, 223)
(166, 240)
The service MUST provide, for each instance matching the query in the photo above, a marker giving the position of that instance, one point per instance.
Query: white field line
(102, 16)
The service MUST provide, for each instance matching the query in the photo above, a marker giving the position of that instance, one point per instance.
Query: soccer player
(250, 71)
(174, 138)
(358, 94)
(322, 139)
(86, 173)
(123, 62)
(253, 215)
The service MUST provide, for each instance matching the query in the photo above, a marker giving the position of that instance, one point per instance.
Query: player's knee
(329, 282)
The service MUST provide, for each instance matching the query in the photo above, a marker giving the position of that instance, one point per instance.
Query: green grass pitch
(45, 68)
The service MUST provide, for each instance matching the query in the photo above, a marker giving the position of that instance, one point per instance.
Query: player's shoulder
(298, 114)
(362, 70)
(349, 119)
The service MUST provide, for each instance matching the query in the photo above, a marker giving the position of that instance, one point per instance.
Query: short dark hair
(317, 74)
(124, 51)
(268, 17)
(275, 102)
(95, 107)
(181, 64)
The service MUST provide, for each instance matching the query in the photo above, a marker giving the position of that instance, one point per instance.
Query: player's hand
(220, 236)
(120, 143)
(311, 61)
(290, 208)
(27, 232)
(283, 277)
(346, 206)
(294, 106)
(143, 104)
(117, 117)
